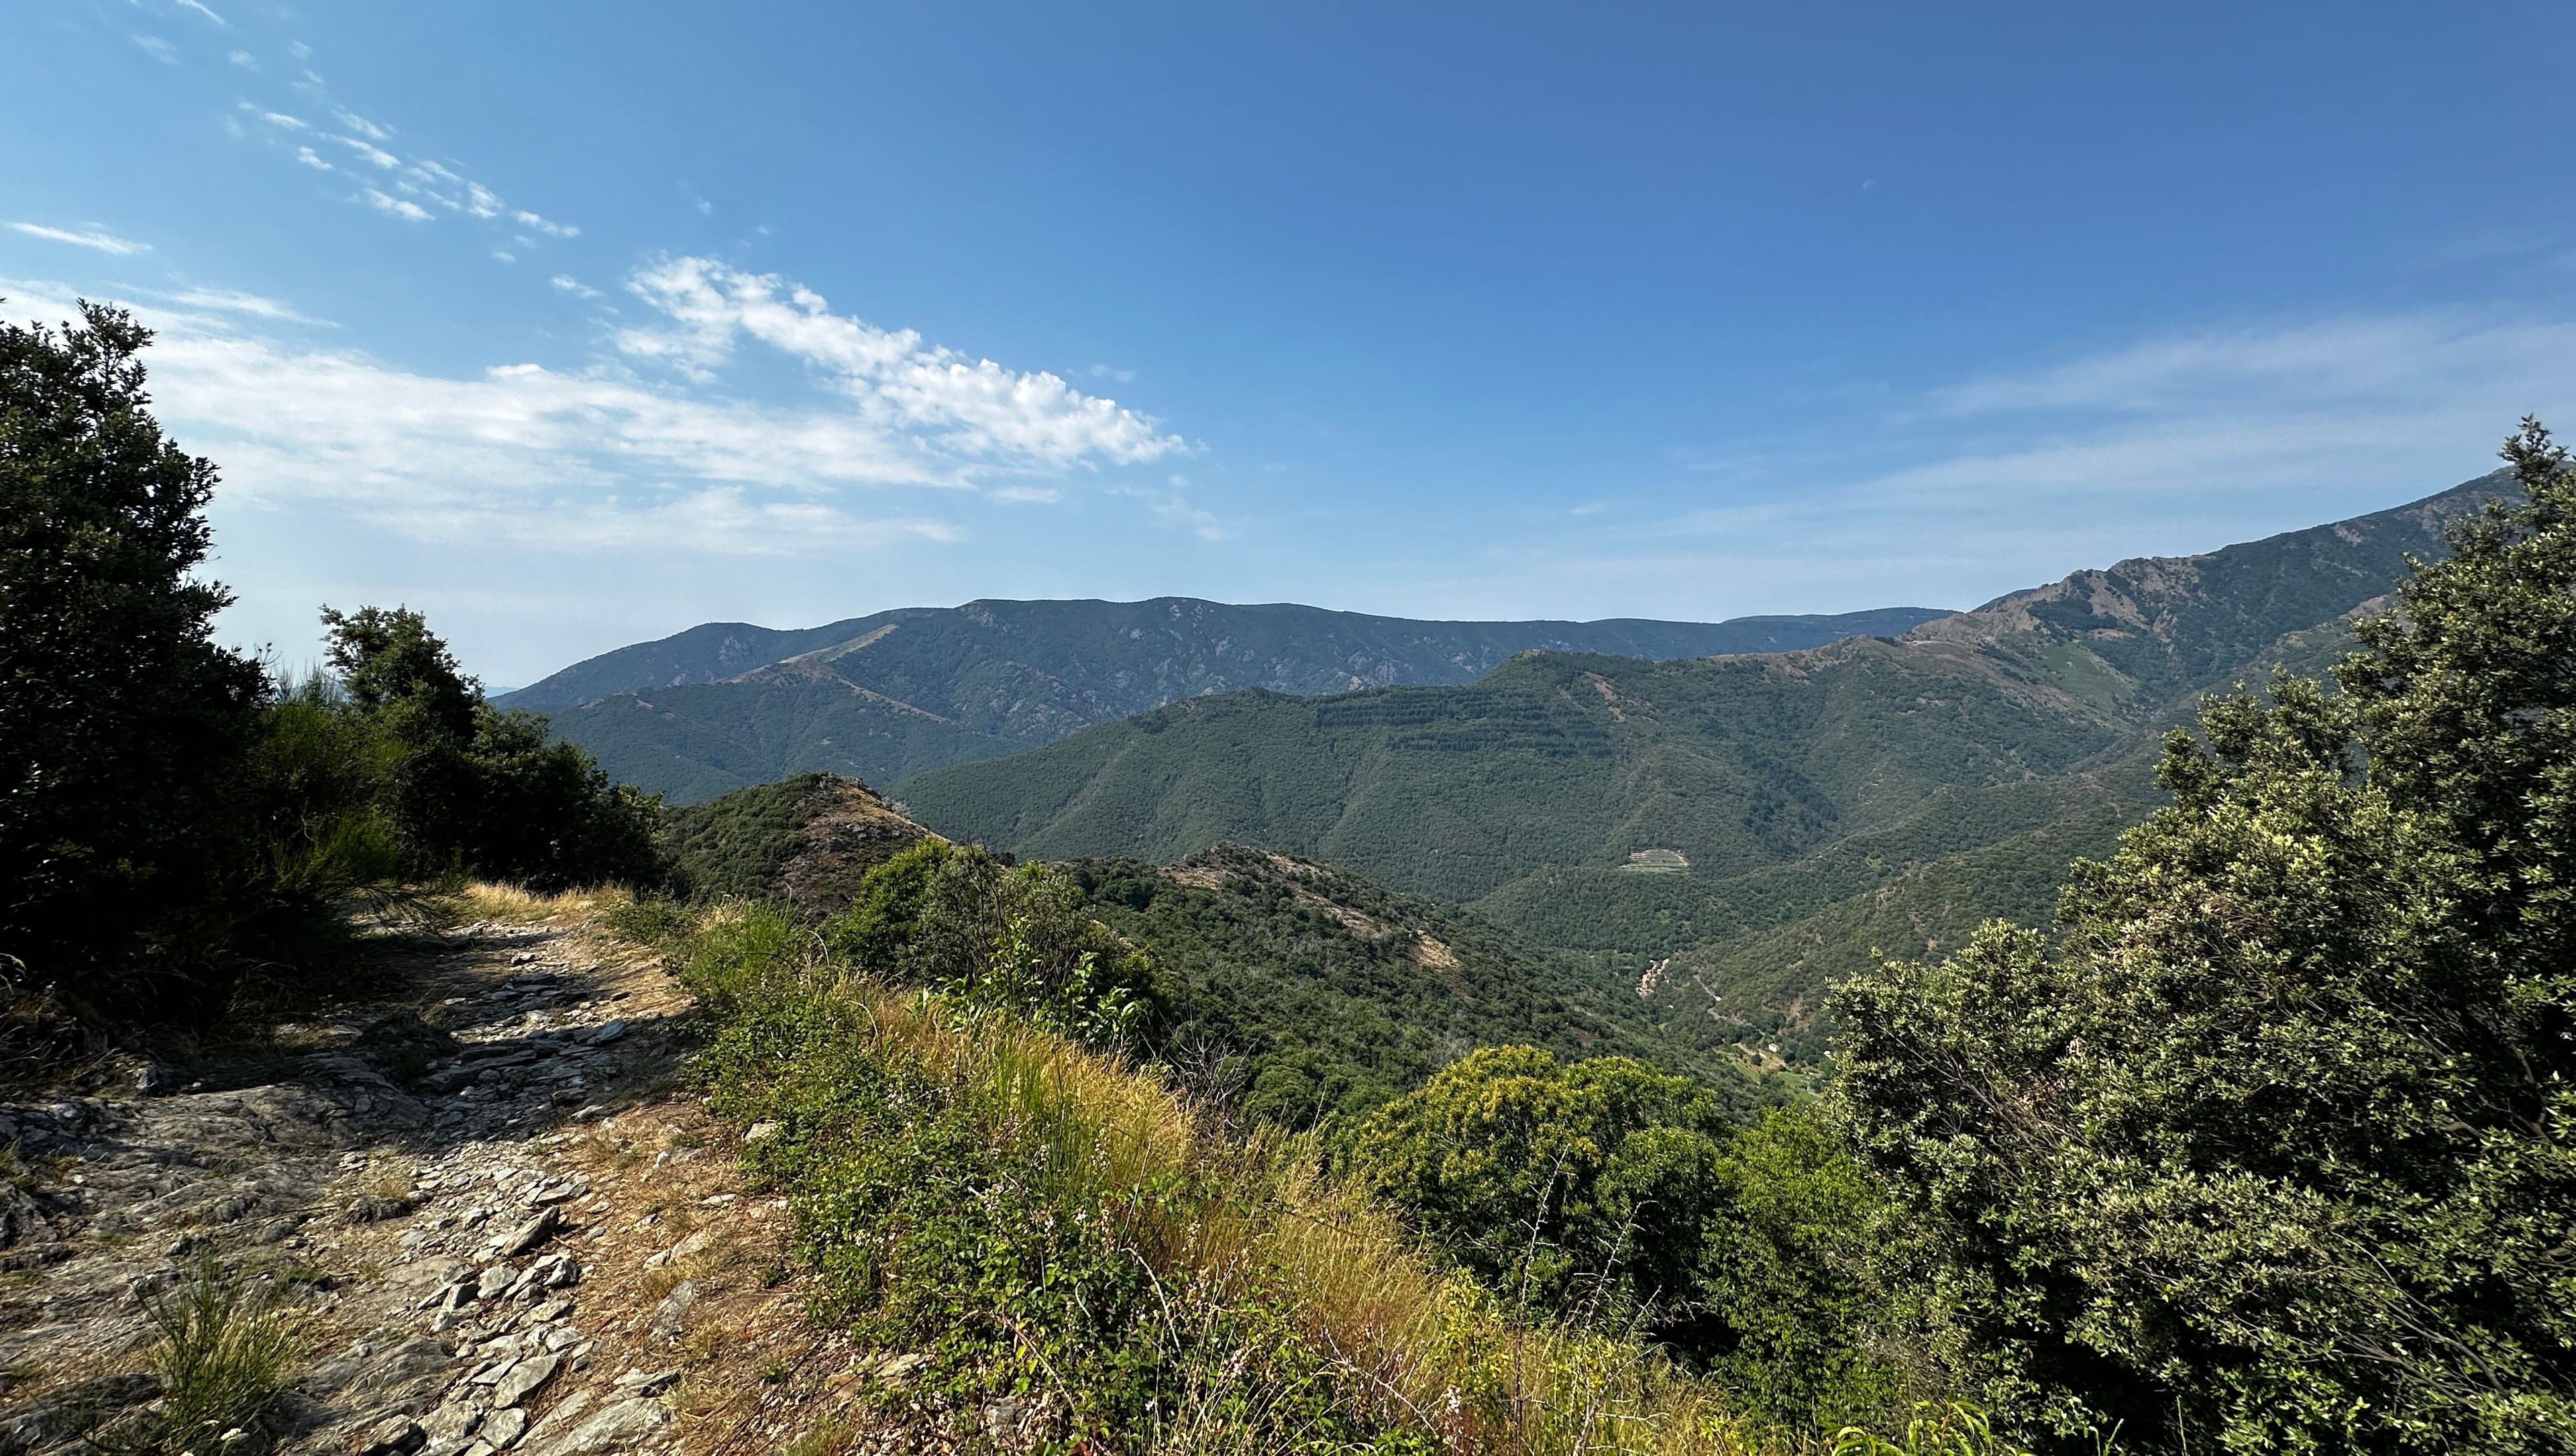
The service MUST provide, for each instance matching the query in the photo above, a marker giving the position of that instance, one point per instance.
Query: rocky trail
(487, 1208)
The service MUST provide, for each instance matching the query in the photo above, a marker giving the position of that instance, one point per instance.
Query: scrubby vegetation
(179, 825)
(1093, 1260)
(2272, 1151)
(1308, 993)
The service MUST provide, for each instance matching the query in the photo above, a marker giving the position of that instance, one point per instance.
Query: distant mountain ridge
(1920, 784)
(726, 705)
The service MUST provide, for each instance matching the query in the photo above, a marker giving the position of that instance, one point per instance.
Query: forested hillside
(726, 705)
(1705, 810)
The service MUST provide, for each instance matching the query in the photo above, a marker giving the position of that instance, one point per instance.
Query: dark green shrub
(2273, 1154)
(466, 788)
(123, 726)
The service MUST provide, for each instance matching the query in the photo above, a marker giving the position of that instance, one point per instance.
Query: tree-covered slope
(1552, 760)
(1306, 989)
(805, 840)
(1763, 821)
(726, 705)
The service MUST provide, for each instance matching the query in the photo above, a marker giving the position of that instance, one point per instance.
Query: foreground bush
(2277, 1152)
(123, 726)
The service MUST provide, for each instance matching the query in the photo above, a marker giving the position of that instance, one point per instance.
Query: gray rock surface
(323, 1163)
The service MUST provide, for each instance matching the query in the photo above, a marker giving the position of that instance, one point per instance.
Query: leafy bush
(1611, 1193)
(2274, 1153)
(987, 934)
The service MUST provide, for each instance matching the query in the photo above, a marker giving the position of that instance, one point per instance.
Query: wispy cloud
(369, 153)
(1103, 371)
(103, 242)
(158, 49)
(566, 283)
(399, 207)
(534, 223)
(199, 7)
(592, 459)
(2177, 442)
(415, 188)
(1173, 504)
(243, 59)
(233, 300)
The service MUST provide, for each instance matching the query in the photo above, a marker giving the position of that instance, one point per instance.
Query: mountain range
(726, 705)
(1730, 831)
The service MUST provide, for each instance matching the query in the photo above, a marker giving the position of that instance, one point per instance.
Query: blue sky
(575, 324)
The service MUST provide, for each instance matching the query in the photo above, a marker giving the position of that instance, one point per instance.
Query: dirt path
(529, 1239)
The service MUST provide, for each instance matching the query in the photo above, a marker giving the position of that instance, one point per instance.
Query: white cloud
(548, 458)
(104, 242)
(1103, 371)
(1029, 494)
(566, 283)
(158, 49)
(1173, 505)
(298, 49)
(243, 59)
(199, 7)
(413, 185)
(706, 208)
(2289, 406)
(2174, 444)
(504, 255)
(538, 224)
(974, 408)
(371, 154)
(387, 203)
(233, 300)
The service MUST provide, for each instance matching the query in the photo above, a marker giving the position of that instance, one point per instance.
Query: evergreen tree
(123, 726)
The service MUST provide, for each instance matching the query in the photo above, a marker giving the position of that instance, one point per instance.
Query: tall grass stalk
(224, 1358)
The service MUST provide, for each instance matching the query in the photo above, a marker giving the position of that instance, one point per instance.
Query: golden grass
(511, 903)
(1426, 1349)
